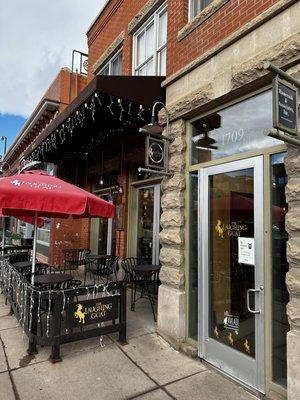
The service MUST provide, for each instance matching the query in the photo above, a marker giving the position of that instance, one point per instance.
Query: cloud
(37, 39)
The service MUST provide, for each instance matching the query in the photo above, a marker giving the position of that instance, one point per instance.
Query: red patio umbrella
(35, 193)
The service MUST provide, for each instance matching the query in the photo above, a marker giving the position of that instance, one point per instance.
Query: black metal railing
(49, 317)
(79, 62)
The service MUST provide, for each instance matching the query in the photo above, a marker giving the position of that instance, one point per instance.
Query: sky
(37, 39)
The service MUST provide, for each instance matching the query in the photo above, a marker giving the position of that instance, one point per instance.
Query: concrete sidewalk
(147, 368)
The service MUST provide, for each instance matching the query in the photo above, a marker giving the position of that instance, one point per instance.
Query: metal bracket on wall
(276, 134)
(153, 171)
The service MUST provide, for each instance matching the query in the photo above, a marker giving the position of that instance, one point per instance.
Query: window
(280, 266)
(113, 66)
(43, 238)
(196, 6)
(150, 44)
(234, 129)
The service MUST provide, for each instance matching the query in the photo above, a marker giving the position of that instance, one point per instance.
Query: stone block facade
(292, 164)
(228, 70)
(171, 299)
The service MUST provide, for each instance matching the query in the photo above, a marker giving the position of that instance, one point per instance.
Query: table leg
(149, 297)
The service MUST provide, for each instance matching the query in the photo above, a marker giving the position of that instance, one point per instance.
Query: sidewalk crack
(16, 394)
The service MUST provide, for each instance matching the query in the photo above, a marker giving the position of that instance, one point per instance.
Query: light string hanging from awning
(78, 118)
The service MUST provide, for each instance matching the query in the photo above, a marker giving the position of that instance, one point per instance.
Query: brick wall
(67, 233)
(180, 52)
(227, 19)
(110, 24)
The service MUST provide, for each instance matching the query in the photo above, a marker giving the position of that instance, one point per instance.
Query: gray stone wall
(237, 66)
(292, 164)
(171, 301)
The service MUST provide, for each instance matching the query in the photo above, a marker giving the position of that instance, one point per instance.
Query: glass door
(103, 234)
(148, 215)
(231, 269)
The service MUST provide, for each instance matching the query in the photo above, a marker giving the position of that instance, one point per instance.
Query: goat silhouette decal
(79, 314)
(219, 229)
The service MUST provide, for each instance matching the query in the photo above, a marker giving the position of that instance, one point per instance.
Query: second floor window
(197, 6)
(113, 66)
(150, 45)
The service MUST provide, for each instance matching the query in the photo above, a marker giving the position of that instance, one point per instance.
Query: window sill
(200, 18)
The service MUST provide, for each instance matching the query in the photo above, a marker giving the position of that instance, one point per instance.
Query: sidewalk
(147, 368)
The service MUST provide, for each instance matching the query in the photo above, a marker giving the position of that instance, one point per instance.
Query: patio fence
(55, 317)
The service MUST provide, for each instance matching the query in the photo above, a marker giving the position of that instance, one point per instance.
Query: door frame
(255, 369)
(156, 219)
(96, 221)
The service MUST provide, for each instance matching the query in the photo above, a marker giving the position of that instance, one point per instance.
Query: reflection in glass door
(148, 214)
(231, 221)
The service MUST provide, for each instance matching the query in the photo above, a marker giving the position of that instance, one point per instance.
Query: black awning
(108, 104)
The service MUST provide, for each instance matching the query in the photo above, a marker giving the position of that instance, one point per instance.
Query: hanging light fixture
(206, 143)
(101, 182)
(203, 141)
(154, 128)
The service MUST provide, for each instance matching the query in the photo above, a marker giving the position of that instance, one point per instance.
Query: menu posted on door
(246, 252)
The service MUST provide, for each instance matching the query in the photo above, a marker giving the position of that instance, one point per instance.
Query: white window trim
(47, 244)
(110, 62)
(153, 19)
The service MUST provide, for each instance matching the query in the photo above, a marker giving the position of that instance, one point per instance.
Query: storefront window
(193, 264)
(43, 238)
(280, 325)
(233, 130)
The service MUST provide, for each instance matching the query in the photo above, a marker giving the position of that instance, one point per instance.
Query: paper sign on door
(246, 251)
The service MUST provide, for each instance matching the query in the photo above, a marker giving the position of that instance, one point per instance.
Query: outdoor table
(52, 280)
(145, 272)
(22, 264)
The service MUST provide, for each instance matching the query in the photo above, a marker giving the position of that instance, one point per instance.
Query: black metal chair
(103, 268)
(19, 256)
(74, 258)
(127, 265)
(147, 284)
(131, 279)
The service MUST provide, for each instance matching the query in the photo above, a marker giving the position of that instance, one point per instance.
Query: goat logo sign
(231, 229)
(92, 311)
(80, 314)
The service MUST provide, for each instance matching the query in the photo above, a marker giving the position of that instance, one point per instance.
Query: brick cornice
(102, 21)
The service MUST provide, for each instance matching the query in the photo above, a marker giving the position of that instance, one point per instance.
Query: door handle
(248, 300)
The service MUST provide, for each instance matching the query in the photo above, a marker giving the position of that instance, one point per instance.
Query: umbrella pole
(34, 247)
(3, 236)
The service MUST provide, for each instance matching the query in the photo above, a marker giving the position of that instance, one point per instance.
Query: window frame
(157, 50)
(110, 62)
(192, 6)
